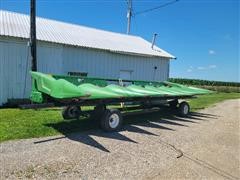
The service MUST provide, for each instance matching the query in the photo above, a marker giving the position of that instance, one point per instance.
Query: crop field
(219, 86)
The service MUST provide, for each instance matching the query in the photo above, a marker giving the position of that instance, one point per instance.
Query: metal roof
(17, 25)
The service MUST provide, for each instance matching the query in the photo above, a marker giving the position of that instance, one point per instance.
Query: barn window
(84, 74)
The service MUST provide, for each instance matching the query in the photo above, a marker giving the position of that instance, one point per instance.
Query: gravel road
(202, 146)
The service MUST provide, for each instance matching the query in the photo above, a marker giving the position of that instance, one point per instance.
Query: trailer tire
(99, 110)
(71, 112)
(97, 113)
(173, 104)
(184, 109)
(111, 120)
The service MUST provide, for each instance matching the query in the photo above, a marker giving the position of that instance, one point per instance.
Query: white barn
(64, 48)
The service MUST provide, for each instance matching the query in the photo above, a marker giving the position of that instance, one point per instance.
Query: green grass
(210, 99)
(19, 124)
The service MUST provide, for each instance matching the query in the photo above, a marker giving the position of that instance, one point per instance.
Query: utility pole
(33, 35)
(129, 15)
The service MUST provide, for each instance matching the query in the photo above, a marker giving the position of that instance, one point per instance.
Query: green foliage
(199, 82)
(227, 89)
(211, 85)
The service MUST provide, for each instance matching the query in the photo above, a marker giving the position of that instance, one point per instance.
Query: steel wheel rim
(113, 120)
(185, 109)
(73, 111)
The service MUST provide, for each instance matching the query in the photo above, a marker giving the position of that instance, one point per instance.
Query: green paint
(60, 87)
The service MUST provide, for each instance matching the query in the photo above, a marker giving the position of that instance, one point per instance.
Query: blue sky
(202, 34)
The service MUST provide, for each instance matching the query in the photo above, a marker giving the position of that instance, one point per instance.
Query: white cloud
(201, 68)
(189, 70)
(212, 66)
(227, 37)
(211, 52)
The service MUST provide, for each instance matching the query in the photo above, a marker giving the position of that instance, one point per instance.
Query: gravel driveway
(205, 145)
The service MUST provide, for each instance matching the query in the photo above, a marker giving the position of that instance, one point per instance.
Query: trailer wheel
(71, 112)
(99, 110)
(97, 113)
(184, 109)
(173, 104)
(111, 120)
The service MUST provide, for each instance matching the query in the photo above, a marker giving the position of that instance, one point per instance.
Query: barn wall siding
(108, 65)
(12, 74)
(61, 59)
(13, 64)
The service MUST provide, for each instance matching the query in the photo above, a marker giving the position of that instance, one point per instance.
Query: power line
(130, 12)
(155, 8)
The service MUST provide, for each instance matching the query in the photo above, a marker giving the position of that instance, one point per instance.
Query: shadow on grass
(88, 128)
